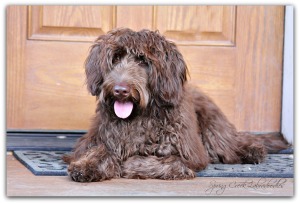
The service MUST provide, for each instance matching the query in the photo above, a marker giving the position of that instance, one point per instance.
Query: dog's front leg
(152, 167)
(97, 164)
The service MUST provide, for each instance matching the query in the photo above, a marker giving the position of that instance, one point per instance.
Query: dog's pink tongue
(123, 109)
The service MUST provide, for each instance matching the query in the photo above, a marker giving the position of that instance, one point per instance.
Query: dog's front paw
(181, 174)
(79, 172)
(93, 170)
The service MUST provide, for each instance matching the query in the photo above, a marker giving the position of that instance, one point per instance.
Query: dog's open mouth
(123, 109)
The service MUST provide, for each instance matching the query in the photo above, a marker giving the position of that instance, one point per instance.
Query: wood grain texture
(259, 67)
(21, 182)
(135, 17)
(212, 69)
(69, 23)
(72, 16)
(15, 65)
(211, 18)
(197, 25)
(57, 97)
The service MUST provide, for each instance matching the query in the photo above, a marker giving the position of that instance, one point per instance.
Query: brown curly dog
(149, 122)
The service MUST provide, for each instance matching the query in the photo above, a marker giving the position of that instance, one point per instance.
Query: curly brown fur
(149, 122)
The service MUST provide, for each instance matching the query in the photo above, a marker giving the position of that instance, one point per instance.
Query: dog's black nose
(121, 90)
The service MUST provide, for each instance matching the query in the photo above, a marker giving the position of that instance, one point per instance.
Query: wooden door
(234, 54)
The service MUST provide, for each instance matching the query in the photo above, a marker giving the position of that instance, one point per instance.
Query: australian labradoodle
(149, 122)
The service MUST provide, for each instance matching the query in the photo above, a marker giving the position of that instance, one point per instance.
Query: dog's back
(221, 139)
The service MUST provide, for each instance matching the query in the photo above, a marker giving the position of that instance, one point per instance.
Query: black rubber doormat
(49, 163)
(43, 163)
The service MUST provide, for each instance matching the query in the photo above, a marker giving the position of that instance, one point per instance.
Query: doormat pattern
(274, 166)
(43, 163)
(49, 163)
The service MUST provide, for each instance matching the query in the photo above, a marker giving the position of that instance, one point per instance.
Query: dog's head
(128, 69)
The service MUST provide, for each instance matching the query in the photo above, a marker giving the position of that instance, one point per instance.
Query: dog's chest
(142, 137)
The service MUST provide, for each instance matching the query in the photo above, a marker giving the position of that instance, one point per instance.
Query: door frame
(287, 108)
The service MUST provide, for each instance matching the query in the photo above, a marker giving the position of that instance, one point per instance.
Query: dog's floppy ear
(171, 74)
(94, 66)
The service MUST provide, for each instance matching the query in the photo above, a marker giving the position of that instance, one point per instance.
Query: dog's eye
(118, 55)
(116, 58)
(141, 60)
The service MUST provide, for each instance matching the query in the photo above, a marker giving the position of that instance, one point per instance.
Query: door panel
(234, 54)
(134, 17)
(197, 25)
(69, 23)
(55, 90)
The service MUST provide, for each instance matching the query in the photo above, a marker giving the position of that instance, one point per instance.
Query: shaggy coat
(149, 122)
